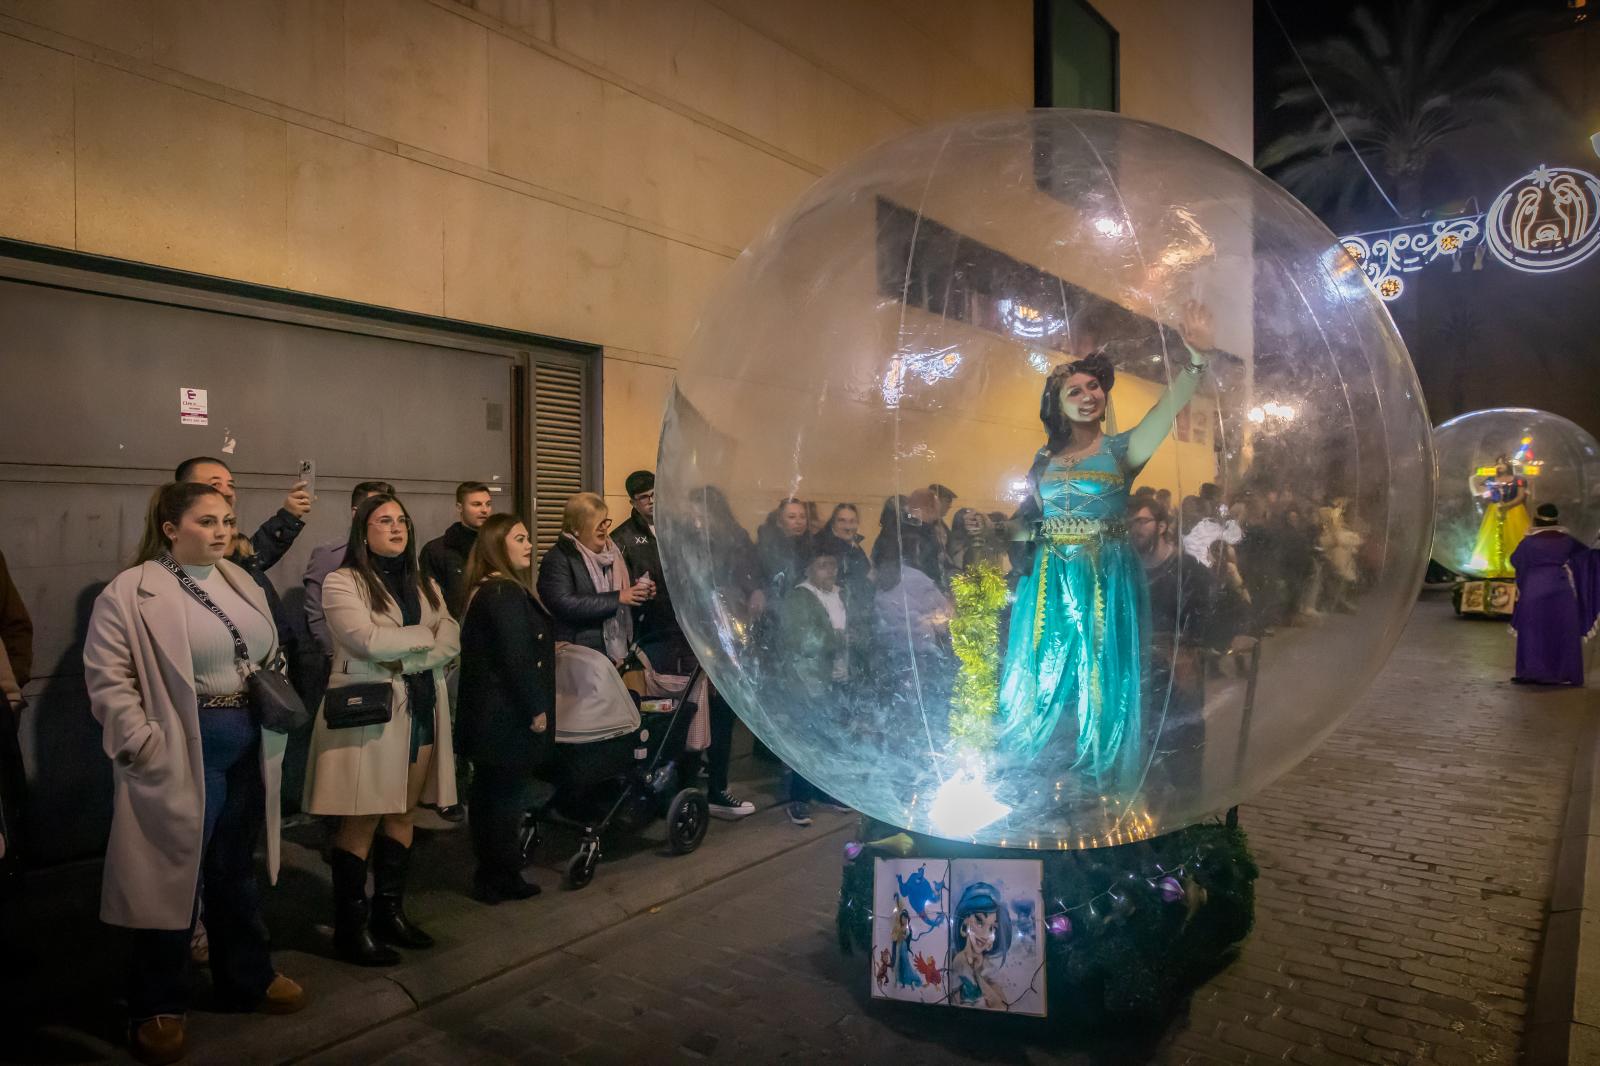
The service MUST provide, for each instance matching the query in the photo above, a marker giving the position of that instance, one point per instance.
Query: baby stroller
(616, 760)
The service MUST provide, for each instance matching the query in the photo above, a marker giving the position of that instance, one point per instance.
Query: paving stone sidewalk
(1406, 869)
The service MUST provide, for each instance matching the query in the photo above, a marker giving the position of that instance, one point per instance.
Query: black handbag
(277, 705)
(353, 706)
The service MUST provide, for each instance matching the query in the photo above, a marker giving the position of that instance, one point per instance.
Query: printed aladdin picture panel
(910, 930)
(996, 934)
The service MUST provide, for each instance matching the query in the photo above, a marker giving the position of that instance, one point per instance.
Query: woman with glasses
(584, 581)
(393, 635)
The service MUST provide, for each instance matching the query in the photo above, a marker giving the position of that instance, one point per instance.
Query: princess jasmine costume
(1075, 649)
(1076, 638)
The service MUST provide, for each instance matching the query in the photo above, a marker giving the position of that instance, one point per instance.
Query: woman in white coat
(389, 625)
(194, 776)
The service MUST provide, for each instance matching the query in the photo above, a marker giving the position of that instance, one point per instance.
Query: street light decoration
(1545, 221)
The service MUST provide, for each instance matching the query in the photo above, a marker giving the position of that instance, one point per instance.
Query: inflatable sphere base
(1129, 932)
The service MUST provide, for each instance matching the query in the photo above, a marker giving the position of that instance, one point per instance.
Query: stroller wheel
(580, 868)
(687, 817)
(529, 836)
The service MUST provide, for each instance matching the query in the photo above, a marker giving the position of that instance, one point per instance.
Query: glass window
(1075, 56)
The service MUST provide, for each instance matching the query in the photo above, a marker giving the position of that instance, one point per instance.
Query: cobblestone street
(1405, 874)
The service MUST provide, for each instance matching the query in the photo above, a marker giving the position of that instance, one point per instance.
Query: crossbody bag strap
(240, 650)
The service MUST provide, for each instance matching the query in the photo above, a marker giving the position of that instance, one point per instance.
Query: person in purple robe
(1558, 601)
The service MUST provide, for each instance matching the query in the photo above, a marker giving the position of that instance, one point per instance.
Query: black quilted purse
(353, 706)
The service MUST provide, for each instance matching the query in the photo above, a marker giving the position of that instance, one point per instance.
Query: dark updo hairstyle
(169, 504)
(1055, 420)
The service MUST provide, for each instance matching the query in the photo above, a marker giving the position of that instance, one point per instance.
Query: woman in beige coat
(388, 625)
(194, 776)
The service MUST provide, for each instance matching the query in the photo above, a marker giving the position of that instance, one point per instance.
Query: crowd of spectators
(415, 646)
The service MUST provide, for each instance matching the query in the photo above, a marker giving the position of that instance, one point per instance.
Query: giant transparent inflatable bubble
(1495, 468)
(1039, 661)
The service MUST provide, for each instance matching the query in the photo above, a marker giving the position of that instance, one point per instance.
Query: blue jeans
(235, 810)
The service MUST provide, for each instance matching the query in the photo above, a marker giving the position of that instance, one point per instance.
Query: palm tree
(1405, 91)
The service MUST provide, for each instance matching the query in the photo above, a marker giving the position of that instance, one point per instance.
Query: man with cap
(1558, 601)
(656, 630)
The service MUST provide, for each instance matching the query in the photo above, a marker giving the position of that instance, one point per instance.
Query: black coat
(655, 626)
(256, 566)
(783, 559)
(565, 587)
(444, 559)
(275, 538)
(508, 676)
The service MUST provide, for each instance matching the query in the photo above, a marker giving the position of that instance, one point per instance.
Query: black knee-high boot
(390, 861)
(351, 937)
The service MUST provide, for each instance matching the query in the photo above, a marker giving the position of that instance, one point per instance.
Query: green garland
(980, 595)
(1131, 955)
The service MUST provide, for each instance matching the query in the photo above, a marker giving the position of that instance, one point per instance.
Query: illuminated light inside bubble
(1108, 227)
(965, 804)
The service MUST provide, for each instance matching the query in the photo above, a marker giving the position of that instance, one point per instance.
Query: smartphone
(308, 474)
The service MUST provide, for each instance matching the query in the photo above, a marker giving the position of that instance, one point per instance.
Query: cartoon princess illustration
(981, 929)
(900, 940)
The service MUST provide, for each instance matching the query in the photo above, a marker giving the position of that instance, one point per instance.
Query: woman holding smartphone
(391, 634)
(584, 581)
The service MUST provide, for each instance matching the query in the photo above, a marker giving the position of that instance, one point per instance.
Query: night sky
(1495, 336)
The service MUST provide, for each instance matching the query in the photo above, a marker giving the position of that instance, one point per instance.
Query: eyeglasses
(645, 496)
(390, 522)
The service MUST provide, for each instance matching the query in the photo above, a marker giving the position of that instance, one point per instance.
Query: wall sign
(192, 407)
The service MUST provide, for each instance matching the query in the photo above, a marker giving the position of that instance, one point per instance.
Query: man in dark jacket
(1185, 620)
(655, 627)
(444, 558)
(656, 631)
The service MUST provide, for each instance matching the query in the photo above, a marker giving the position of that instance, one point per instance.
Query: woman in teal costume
(1076, 639)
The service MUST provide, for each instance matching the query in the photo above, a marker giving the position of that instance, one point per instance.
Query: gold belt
(1062, 529)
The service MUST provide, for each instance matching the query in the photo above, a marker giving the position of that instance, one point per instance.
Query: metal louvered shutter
(559, 465)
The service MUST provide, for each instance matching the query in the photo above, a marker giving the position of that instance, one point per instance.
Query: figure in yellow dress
(1504, 523)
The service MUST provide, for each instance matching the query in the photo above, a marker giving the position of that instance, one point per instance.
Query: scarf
(401, 582)
(609, 573)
